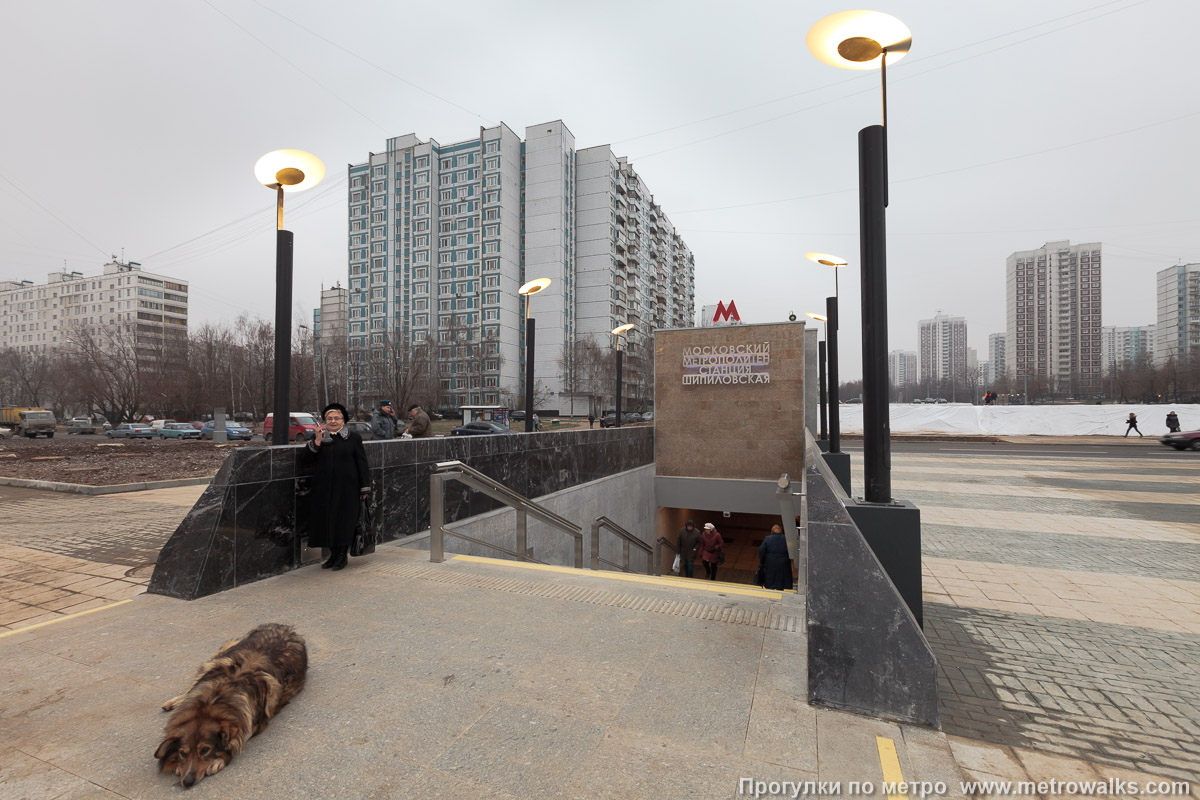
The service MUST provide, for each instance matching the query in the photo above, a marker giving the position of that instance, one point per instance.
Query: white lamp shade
(827, 259)
(534, 286)
(890, 33)
(817, 317)
(268, 167)
(628, 326)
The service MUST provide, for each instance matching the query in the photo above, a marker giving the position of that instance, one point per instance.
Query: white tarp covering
(1038, 420)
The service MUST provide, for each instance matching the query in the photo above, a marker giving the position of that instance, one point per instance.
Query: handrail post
(437, 519)
(596, 544)
(522, 533)
(579, 552)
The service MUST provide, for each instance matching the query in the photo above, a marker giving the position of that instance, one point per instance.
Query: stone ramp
(471, 678)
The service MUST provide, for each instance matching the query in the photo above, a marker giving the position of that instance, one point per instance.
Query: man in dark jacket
(689, 546)
(773, 558)
(383, 421)
(418, 425)
(1172, 422)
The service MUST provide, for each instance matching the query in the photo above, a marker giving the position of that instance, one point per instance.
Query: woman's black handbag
(363, 542)
(720, 557)
(760, 575)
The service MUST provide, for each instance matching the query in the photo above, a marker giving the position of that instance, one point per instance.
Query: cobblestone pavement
(64, 553)
(1062, 599)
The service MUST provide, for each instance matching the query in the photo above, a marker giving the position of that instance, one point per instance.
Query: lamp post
(831, 348)
(821, 358)
(528, 290)
(616, 332)
(864, 40)
(285, 171)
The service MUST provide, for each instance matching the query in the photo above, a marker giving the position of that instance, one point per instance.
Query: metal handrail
(458, 471)
(659, 555)
(627, 539)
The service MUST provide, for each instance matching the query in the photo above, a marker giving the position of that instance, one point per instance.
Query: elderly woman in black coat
(340, 480)
(776, 564)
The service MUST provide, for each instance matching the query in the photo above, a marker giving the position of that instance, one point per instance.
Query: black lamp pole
(821, 387)
(831, 334)
(872, 202)
(530, 331)
(618, 422)
(283, 326)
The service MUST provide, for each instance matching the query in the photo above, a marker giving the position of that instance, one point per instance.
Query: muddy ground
(97, 461)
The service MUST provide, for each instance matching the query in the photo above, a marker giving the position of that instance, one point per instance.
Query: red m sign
(726, 312)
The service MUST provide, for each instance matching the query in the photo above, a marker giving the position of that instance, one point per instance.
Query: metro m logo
(726, 312)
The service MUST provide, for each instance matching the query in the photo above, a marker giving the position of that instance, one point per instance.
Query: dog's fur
(234, 697)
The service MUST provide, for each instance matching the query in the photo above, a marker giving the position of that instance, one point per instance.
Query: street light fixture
(616, 332)
(528, 290)
(863, 40)
(285, 171)
(829, 261)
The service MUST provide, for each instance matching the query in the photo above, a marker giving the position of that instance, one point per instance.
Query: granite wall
(249, 523)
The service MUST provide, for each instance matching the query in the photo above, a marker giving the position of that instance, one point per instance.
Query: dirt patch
(96, 461)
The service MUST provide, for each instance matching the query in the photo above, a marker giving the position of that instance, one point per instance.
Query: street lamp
(285, 171)
(829, 261)
(616, 332)
(821, 383)
(528, 290)
(831, 348)
(864, 40)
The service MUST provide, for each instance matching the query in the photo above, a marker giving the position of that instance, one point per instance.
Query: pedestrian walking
(419, 425)
(689, 547)
(341, 480)
(591, 422)
(712, 550)
(383, 421)
(537, 423)
(1131, 424)
(1172, 423)
(774, 561)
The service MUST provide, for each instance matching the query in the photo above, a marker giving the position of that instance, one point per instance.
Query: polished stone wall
(249, 523)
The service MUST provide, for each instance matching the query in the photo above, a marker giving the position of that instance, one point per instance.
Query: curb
(81, 488)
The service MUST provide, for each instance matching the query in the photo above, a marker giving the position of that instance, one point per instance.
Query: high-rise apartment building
(902, 367)
(442, 236)
(1053, 315)
(942, 350)
(331, 321)
(1178, 332)
(996, 354)
(150, 310)
(1121, 345)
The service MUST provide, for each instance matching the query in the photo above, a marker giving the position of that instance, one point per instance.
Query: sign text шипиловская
(727, 364)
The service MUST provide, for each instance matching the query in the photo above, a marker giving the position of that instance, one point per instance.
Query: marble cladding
(249, 523)
(866, 652)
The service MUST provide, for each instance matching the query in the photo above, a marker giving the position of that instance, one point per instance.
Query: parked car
(178, 430)
(517, 416)
(1186, 440)
(131, 430)
(479, 427)
(233, 431)
(647, 416)
(5, 433)
(82, 426)
(303, 426)
(363, 429)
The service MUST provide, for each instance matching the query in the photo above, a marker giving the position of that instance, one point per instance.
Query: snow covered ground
(1044, 420)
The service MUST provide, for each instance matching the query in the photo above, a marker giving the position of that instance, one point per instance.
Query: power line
(296, 67)
(370, 63)
(56, 217)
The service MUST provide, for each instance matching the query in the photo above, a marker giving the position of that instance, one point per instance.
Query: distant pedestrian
(689, 547)
(1131, 424)
(712, 550)
(537, 423)
(419, 425)
(383, 421)
(1172, 423)
(591, 422)
(774, 561)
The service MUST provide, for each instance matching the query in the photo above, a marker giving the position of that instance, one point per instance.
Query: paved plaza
(1062, 600)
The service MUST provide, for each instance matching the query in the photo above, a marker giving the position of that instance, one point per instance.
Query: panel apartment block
(1120, 346)
(39, 318)
(1054, 318)
(942, 349)
(441, 237)
(1178, 330)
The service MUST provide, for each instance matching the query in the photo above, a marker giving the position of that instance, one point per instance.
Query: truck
(29, 421)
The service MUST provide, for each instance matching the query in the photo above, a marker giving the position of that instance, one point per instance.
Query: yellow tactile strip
(1159, 604)
(770, 619)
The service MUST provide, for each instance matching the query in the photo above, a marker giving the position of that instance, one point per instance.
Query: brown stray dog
(234, 697)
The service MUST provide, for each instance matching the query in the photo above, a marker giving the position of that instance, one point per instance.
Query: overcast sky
(132, 126)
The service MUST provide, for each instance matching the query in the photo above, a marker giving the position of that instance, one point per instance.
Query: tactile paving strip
(769, 619)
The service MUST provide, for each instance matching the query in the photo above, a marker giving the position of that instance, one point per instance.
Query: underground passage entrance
(742, 532)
